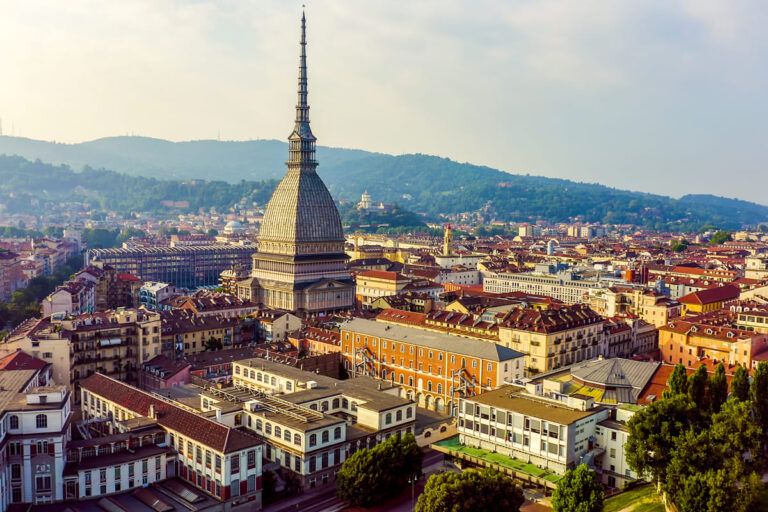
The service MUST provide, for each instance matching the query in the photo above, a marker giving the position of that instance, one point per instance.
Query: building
(156, 296)
(710, 299)
(689, 342)
(71, 298)
(218, 459)
(548, 434)
(34, 430)
(301, 264)
(185, 332)
(756, 267)
(312, 423)
(611, 436)
(111, 342)
(432, 368)
(185, 266)
(554, 337)
(561, 287)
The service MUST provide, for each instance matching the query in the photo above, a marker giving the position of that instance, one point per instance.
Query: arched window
(335, 403)
(268, 428)
(325, 405)
(408, 412)
(440, 389)
(258, 424)
(41, 421)
(402, 378)
(388, 419)
(399, 416)
(13, 422)
(326, 436)
(345, 403)
(273, 381)
(337, 433)
(313, 440)
(297, 439)
(287, 435)
(313, 407)
(429, 386)
(278, 431)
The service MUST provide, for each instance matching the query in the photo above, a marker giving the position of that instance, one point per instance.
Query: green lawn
(452, 443)
(644, 496)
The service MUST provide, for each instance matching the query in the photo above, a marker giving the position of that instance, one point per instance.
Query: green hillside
(419, 183)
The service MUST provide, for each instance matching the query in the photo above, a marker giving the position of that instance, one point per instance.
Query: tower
(300, 264)
(447, 240)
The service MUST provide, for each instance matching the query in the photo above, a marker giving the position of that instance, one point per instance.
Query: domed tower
(300, 264)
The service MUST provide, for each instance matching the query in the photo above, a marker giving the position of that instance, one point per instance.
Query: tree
(758, 393)
(579, 490)
(678, 381)
(697, 388)
(213, 344)
(470, 491)
(718, 389)
(372, 474)
(720, 238)
(654, 431)
(740, 384)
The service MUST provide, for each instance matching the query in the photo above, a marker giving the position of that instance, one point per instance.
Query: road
(326, 500)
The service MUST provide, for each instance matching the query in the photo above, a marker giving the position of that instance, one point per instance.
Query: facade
(34, 430)
(688, 342)
(301, 264)
(611, 436)
(153, 295)
(312, 423)
(568, 290)
(220, 460)
(185, 333)
(545, 433)
(756, 267)
(71, 298)
(111, 342)
(555, 337)
(432, 368)
(188, 266)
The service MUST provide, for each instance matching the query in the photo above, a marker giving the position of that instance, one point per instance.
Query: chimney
(152, 412)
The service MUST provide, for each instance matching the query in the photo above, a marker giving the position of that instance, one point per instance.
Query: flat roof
(511, 398)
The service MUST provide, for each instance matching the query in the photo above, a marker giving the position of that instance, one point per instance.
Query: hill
(421, 183)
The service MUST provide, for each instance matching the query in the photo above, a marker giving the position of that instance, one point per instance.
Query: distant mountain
(421, 183)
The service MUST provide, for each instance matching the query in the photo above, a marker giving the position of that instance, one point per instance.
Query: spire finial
(301, 151)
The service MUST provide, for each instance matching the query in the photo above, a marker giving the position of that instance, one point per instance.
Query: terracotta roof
(207, 432)
(382, 274)
(21, 361)
(712, 295)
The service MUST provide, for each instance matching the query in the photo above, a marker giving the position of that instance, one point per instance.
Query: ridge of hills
(429, 185)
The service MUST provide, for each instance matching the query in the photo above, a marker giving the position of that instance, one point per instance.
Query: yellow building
(710, 299)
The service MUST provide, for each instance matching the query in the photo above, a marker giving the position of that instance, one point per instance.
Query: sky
(660, 96)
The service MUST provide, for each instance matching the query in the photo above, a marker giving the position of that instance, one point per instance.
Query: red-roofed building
(221, 460)
(708, 300)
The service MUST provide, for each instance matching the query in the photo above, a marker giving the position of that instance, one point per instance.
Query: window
(297, 439)
(337, 433)
(258, 424)
(326, 436)
(268, 428)
(278, 432)
(41, 421)
(287, 435)
(13, 422)
(251, 459)
(388, 418)
(234, 464)
(408, 412)
(218, 463)
(313, 440)
(399, 415)
(235, 488)
(16, 472)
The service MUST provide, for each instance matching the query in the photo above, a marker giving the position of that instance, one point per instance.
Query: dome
(301, 210)
(233, 226)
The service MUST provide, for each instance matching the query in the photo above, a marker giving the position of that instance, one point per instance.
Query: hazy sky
(663, 96)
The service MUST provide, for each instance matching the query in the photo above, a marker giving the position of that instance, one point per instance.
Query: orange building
(687, 343)
(432, 368)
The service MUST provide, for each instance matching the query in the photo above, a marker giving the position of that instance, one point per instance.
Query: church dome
(301, 210)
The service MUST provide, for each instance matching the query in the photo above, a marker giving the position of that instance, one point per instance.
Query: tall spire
(301, 143)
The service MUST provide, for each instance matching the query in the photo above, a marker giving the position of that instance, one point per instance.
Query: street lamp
(412, 480)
